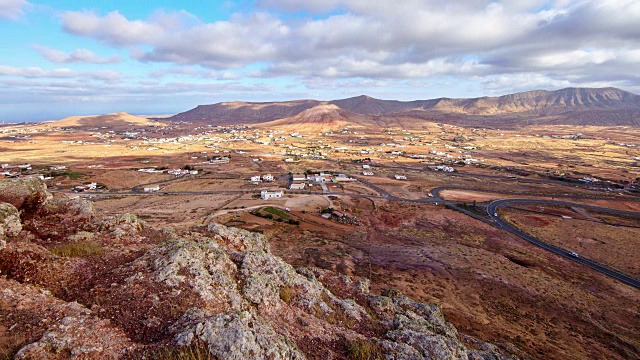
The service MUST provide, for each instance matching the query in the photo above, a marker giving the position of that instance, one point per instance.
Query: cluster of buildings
(176, 172)
(256, 179)
(25, 171)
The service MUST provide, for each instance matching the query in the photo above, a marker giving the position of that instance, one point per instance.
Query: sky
(62, 57)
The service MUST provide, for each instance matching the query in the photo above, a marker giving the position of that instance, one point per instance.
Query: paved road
(492, 211)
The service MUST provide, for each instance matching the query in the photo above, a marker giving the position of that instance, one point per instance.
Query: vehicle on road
(574, 254)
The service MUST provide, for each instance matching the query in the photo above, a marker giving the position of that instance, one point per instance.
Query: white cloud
(60, 73)
(561, 41)
(113, 28)
(76, 56)
(12, 9)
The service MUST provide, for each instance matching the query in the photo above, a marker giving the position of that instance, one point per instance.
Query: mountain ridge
(614, 107)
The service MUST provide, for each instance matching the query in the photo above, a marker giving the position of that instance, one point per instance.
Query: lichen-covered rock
(121, 225)
(264, 275)
(79, 337)
(24, 194)
(55, 329)
(235, 336)
(234, 239)
(9, 223)
(79, 208)
(202, 264)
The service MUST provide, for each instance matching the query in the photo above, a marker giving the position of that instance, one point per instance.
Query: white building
(152, 188)
(366, 166)
(267, 194)
(297, 186)
(367, 173)
(400, 177)
(267, 177)
(299, 177)
(255, 178)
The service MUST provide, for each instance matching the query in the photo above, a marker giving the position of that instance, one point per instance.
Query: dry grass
(363, 350)
(10, 345)
(287, 293)
(77, 250)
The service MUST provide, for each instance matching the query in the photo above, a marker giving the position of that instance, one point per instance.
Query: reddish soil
(490, 284)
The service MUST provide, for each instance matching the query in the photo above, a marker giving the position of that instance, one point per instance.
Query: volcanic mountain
(319, 118)
(576, 106)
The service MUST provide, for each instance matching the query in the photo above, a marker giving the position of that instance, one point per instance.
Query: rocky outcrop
(213, 285)
(24, 194)
(55, 328)
(235, 335)
(79, 337)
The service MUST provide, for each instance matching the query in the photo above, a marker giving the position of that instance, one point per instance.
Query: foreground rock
(216, 288)
(24, 194)
(10, 225)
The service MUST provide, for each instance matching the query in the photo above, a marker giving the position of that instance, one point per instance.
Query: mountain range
(570, 106)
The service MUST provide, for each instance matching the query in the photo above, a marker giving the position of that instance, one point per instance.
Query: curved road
(492, 211)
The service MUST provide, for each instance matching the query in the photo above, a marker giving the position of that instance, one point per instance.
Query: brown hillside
(244, 112)
(320, 118)
(576, 106)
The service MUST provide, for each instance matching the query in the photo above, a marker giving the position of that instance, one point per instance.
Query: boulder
(24, 194)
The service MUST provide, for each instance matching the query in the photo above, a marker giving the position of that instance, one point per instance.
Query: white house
(255, 178)
(266, 194)
(152, 188)
(299, 177)
(400, 177)
(297, 186)
(367, 173)
(365, 166)
(267, 177)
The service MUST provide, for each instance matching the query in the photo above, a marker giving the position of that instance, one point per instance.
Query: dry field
(490, 284)
(606, 244)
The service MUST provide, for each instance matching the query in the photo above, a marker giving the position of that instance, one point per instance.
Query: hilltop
(576, 106)
(79, 284)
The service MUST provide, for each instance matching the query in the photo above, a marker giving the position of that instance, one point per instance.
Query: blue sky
(64, 58)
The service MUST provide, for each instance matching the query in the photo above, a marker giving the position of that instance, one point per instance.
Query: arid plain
(401, 200)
